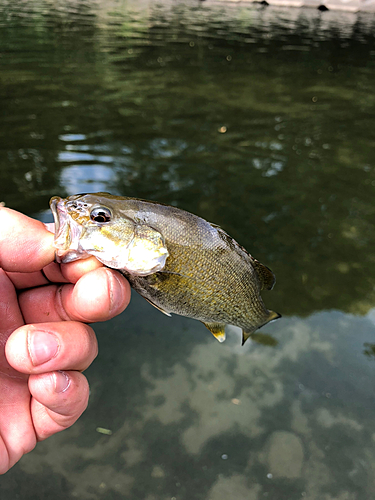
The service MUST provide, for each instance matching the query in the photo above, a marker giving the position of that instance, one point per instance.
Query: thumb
(25, 243)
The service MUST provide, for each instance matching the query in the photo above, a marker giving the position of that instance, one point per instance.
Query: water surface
(262, 121)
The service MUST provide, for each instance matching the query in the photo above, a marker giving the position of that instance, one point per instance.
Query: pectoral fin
(157, 307)
(217, 330)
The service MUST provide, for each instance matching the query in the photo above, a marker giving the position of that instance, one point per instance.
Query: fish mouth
(67, 233)
(54, 202)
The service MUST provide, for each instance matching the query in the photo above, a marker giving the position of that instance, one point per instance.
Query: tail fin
(272, 315)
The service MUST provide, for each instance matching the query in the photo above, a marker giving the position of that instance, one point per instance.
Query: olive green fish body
(197, 269)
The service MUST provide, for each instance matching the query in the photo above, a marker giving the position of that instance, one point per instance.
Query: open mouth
(62, 234)
(54, 208)
(67, 233)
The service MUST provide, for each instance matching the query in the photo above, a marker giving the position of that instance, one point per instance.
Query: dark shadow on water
(264, 339)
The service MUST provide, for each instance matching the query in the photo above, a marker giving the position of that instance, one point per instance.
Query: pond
(260, 120)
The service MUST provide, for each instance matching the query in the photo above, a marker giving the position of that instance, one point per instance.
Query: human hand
(45, 342)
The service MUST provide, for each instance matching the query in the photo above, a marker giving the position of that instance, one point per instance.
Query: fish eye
(100, 214)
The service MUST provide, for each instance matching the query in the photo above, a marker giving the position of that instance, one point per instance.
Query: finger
(58, 400)
(50, 226)
(70, 273)
(17, 435)
(32, 245)
(10, 319)
(73, 271)
(27, 280)
(47, 347)
(97, 296)
(53, 273)
(50, 273)
(10, 313)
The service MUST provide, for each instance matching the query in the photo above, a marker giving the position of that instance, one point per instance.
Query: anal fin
(217, 330)
(158, 307)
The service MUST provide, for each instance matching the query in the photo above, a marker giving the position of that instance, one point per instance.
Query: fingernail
(43, 346)
(116, 293)
(62, 381)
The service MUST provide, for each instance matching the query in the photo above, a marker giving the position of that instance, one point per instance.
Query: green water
(262, 121)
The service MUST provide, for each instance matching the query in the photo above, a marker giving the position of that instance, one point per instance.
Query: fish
(176, 260)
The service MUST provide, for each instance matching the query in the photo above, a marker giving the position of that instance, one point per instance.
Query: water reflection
(259, 120)
(207, 418)
(90, 178)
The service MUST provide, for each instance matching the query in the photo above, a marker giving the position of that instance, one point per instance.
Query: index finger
(25, 243)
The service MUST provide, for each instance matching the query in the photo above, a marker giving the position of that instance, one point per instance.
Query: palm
(17, 433)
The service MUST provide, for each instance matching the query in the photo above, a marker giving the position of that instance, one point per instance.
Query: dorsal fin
(265, 275)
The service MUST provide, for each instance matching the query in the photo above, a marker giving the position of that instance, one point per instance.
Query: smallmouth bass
(177, 261)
